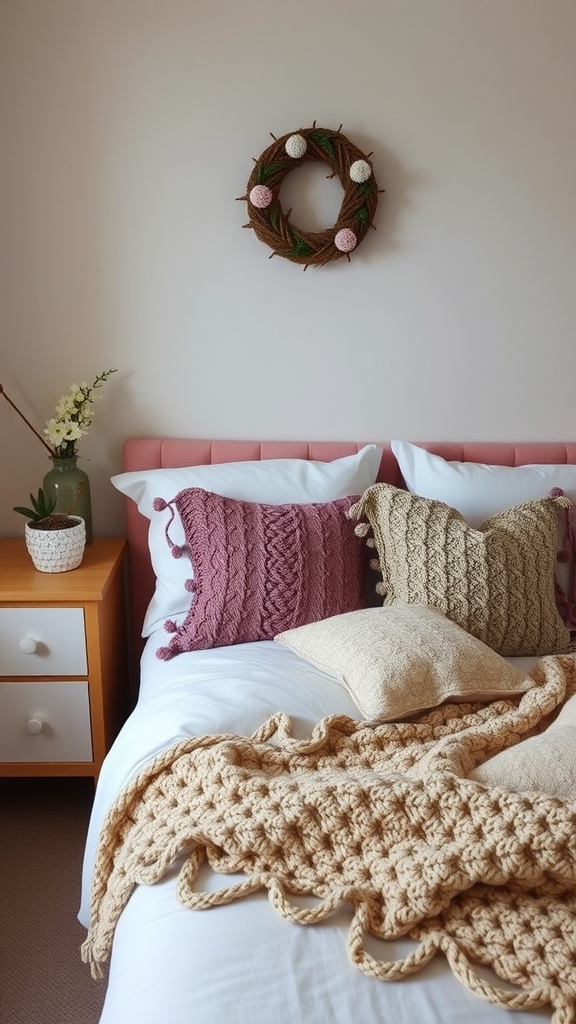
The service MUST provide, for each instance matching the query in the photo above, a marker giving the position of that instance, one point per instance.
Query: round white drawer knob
(34, 725)
(28, 645)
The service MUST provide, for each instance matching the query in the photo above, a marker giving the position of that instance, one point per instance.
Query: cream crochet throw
(380, 817)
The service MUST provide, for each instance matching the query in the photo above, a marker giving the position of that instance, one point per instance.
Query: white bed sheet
(243, 963)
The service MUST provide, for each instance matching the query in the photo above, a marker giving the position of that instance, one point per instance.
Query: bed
(264, 708)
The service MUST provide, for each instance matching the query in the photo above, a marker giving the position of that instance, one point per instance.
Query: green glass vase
(70, 487)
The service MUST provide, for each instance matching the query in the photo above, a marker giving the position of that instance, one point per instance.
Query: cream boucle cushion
(497, 582)
(400, 659)
(544, 763)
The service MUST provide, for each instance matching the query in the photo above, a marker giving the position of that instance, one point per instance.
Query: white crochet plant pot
(57, 550)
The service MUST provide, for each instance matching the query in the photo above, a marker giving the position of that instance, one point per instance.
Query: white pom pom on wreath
(296, 146)
(360, 171)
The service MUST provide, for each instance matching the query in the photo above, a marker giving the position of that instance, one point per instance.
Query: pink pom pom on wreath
(261, 196)
(345, 240)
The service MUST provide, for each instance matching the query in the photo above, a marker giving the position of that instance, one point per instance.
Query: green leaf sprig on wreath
(271, 224)
(323, 139)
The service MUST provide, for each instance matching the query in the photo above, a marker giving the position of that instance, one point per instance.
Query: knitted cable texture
(381, 817)
(260, 569)
(497, 582)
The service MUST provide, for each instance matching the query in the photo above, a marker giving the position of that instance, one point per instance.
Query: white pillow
(270, 481)
(475, 489)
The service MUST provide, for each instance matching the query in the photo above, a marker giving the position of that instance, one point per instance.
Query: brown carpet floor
(43, 826)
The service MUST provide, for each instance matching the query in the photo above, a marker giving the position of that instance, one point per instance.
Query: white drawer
(45, 722)
(42, 642)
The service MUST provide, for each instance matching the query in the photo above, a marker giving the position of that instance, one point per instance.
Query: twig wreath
(272, 225)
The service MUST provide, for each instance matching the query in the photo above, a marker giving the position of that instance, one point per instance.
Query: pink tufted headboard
(161, 452)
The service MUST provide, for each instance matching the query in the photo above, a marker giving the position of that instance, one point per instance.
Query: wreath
(272, 225)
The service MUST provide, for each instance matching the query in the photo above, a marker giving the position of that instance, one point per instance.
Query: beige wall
(128, 129)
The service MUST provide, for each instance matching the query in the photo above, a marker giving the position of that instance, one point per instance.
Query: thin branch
(27, 422)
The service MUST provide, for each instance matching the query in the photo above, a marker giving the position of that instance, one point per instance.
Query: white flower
(73, 417)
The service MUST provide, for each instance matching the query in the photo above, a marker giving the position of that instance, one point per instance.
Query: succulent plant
(42, 507)
(41, 515)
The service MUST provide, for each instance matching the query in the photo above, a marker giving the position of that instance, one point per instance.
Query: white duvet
(244, 964)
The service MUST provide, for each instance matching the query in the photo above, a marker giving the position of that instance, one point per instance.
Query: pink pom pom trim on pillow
(175, 550)
(262, 569)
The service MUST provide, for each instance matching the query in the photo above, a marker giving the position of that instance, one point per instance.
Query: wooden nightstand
(64, 688)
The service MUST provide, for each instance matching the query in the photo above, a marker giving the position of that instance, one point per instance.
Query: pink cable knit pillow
(261, 569)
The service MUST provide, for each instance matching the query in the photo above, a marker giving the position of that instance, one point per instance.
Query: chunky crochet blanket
(382, 817)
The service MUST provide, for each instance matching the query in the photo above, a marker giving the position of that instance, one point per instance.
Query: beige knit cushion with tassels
(497, 582)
